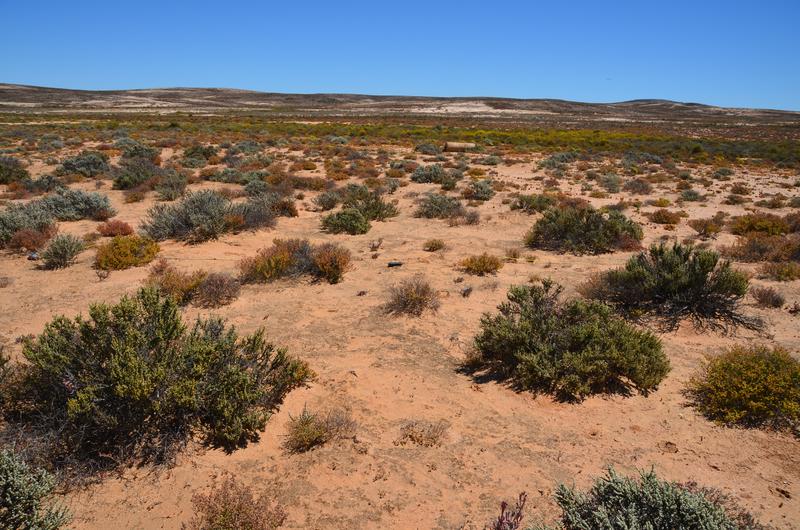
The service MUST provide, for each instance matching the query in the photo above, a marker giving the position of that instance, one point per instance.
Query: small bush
(569, 349)
(765, 223)
(123, 252)
(87, 163)
(638, 186)
(412, 297)
(482, 264)
(768, 297)
(754, 386)
(310, 430)
(534, 203)
(131, 383)
(583, 229)
(135, 173)
(664, 217)
(616, 502)
(171, 185)
(29, 239)
(479, 190)
(74, 205)
(434, 173)
(17, 218)
(61, 252)
(234, 506)
(327, 200)
(782, 272)
(296, 257)
(197, 217)
(434, 206)
(216, 290)
(114, 227)
(706, 228)
(11, 170)
(691, 195)
(25, 496)
(757, 246)
(670, 283)
(178, 285)
(433, 245)
(372, 206)
(350, 221)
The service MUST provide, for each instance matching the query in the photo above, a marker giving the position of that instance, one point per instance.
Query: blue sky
(733, 53)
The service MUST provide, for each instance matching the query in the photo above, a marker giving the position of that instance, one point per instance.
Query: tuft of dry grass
(768, 297)
(433, 245)
(412, 297)
(310, 429)
(423, 433)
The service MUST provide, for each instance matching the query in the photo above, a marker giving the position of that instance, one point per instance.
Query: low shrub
(664, 217)
(753, 386)
(617, 502)
(434, 206)
(534, 203)
(433, 173)
(479, 190)
(672, 283)
(12, 170)
(131, 383)
(638, 186)
(29, 239)
(26, 496)
(707, 228)
(782, 272)
(86, 163)
(433, 245)
(17, 218)
(233, 506)
(327, 200)
(758, 246)
(412, 296)
(691, 195)
(178, 285)
(135, 173)
(765, 223)
(372, 206)
(114, 227)
(123, 252)
(197, 217)
(61, 252)
(583, 229)
(216, 290)
(310, 430)
(296, 257)
(349, 221)
(73, 205)
(569, 349)
(482, 264)
(171, 185)
(768, 297)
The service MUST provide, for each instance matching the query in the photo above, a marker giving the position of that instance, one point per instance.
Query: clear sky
(730, 53)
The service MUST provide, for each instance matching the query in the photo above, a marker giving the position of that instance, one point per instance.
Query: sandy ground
(388, 370)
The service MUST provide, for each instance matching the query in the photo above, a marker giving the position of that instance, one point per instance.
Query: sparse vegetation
(412, 296)
(310, 430)
(231, 505)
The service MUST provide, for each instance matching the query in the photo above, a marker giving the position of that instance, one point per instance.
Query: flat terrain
(388, 370)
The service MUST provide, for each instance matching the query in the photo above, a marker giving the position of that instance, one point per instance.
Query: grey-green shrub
(26, 496)
(171, 185)
(669, 283)
(569, 349)
(11, 170)
(435, 206)
(617, 502)
(197, 217)
(583, 229)
(134, 172)
(433, 173)
(86, 163)
(74, 205)
(61, 251)
(350, 221)
(479, 190)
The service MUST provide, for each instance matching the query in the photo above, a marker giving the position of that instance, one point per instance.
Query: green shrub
(124, 252)
(433, 173)
(766, 223)
(350, 221)
(19, 217)
(87, 163)
(481, 264)
(671, 283)
(197, 217)
(11, 170)
(62, 251)
(134, 172)
(753, 386)
(534, 203)
(171, 185)
(616, 502)
(583, 229)
(327, 200)
(25, 496)
(132, 383)
(233, 506)
(691, 195)
(434, 206)
(569, 349)
(372, 206)
(74, 205)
